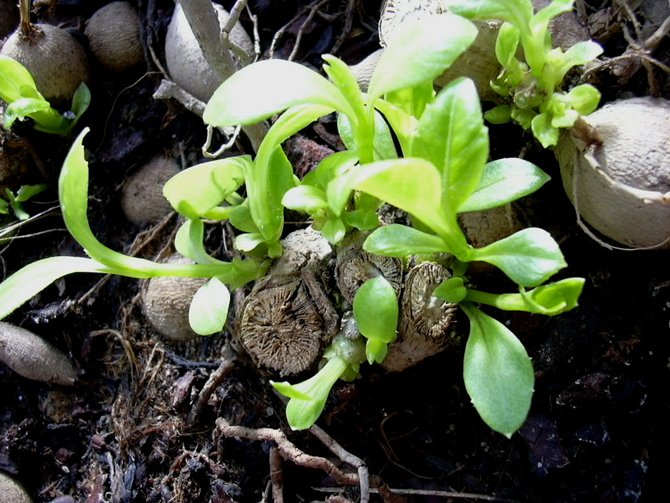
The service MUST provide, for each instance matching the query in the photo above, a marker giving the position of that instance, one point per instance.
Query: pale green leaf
(196, 190)
(376, 310)
(419, 51)
(529, 257)
(498, 373)
(268, 87)
(209, 308)
(504, 181)
(452, 136)
(401, 241)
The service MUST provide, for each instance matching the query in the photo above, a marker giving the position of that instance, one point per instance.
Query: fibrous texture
(54, 58)
(114, 36)
(616, 171)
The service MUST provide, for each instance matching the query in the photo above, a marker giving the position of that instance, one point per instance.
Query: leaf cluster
(532, 87)
(18, 89)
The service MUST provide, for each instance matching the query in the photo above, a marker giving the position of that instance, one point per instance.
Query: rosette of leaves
(443, 172)
(532, 88)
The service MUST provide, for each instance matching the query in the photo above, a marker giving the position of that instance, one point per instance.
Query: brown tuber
(185, 60)
(142, 197)
(32, 357)
(167, 300)
(114, 37)
(53, 57)
(616, 171)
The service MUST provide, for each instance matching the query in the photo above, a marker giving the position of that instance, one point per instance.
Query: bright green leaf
(504, 181)
(498, 373)
(263, 89)
(583, 99)
(426, 47)
(33, 278)
(501, 114)
(544, 131)
(334, 230)
(451, 290)
(209, 308)
(376, 310)
(247, 242)
(529, 257)
(401, 241)
(506, 44)
(376, 351)
(554, 298)
(13, 77)
(452, 136)
(305, 198)
(196, 190)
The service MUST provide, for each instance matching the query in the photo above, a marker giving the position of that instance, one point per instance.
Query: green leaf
(305, 198)
(196, 190)
(376, 310)
(523, 117)
(583, 99)
(308, 398)
(529, 257)
(46, 118)
(578, 54)
(504, 181)
(506, 44)
(241, 218)
(413, 100)
(363, 220)
(419, 51)
(189, 243)
(403, 124)
(340, 74)
(401, 241)
(27, 192)
(517, 12)
(209, 308)
(272, 174)
(13, 77)
(501, 114)
(376, 351)
(451, 290)
(333, 166)
(383, 146)
(80, 102)
(544, 131)
(541, 20)
(410, 184)
(333, 230)
(452, 136)
(554, 298)
(498, 373)
(33, 278)
(247, 242)
(268, 87)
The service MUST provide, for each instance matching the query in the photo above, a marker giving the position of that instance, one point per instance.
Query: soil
(132, 429)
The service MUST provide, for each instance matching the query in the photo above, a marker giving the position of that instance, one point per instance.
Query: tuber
(53, 57)
(186, 63)
(114, 36)
(142, 197)
(32, 357)
(167, 300)
(616, 171)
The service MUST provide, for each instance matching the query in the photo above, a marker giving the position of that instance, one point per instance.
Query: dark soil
(598, 427)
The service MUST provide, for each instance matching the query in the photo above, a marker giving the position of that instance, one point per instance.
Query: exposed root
(289, 451)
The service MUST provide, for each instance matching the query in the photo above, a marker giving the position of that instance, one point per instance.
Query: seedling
(18, 88)
(531, 87)
(444, 172)
(13, 201)
(73, 196)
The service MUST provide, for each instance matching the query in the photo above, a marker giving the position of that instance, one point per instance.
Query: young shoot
(18, 89)
(532, 88)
